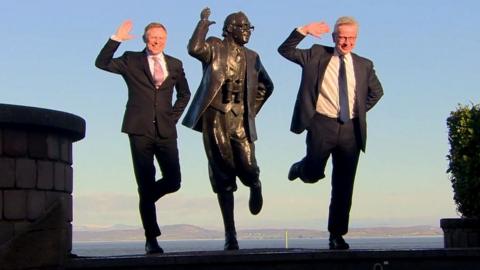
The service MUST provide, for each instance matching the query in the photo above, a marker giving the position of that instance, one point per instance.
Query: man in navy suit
(150, 118)
(337, 88)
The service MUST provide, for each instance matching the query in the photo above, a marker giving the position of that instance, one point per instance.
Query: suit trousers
(329, 137)
(144, 149)
(230, 153)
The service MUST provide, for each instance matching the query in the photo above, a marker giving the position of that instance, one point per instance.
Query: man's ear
(229, 28)
(144, 38)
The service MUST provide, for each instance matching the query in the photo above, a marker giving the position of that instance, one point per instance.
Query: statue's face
(241, 29)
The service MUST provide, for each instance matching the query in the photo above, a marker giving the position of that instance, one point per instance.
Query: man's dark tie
(343, 91)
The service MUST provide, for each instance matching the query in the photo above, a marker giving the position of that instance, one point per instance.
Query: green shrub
(464, 159)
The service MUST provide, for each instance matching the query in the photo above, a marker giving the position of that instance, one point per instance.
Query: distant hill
(186, 232)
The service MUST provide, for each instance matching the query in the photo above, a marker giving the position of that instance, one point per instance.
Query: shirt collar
(160, 55)
(347, 56)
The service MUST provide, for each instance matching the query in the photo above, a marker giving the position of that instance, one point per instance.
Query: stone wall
(36, 182)
(461, 232)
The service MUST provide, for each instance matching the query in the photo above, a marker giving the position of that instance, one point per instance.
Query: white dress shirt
(328, 102)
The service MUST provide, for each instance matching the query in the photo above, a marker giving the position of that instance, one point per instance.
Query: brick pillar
(36, 180)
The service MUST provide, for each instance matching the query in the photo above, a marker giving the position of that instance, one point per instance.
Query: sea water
(137, 247)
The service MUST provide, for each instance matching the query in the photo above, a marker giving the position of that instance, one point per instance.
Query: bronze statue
(234, 87)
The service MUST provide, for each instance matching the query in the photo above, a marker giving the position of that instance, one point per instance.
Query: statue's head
(238, 27)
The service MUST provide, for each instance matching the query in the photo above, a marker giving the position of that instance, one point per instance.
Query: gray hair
(150, 26)
(345, 20)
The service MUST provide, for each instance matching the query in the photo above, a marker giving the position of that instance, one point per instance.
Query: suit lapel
(361, 83)
(168, 62)
(357, 69)
(359, 72)
(146, 67)
(250, 62)
(250, 70)
(322, 68)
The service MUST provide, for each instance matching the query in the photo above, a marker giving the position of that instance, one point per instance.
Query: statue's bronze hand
(205, 14)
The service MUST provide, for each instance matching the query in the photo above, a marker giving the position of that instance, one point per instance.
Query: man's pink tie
(158, 75)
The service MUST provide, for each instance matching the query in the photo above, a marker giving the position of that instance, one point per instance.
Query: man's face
(345, 38)
(241, 30)
(155, 38)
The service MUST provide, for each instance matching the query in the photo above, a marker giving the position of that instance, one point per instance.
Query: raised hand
(123, 31)
(316, 29)
(205, 14)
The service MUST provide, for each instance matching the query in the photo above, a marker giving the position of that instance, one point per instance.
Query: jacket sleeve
(265, 86)
(106, 61)
(183, 95)
(197, 46)
(375, 90)
(289, 50)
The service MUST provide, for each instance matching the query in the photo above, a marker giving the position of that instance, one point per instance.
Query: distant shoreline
(185, 232)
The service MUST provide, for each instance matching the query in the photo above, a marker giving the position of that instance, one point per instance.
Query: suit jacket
(147, 107)
(213, 55)
(314, 62)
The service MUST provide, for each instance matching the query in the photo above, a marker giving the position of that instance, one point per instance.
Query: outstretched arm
(105, 58)
(197, 47)
(288, 48)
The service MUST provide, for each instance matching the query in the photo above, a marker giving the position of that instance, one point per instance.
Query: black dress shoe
(152, 247)
(256, 200)
(231, 242)
(337, 243)
(294, 171)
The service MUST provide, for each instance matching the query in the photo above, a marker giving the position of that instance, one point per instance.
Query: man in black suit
(337, 88)
(150, 119)
(234, 87)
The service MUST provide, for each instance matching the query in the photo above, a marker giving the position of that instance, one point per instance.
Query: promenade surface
(279, 259)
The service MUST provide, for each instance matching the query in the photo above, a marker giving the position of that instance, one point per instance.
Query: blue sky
(425, 54)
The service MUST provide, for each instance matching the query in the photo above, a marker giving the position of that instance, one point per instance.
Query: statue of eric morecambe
(234, 87)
